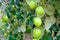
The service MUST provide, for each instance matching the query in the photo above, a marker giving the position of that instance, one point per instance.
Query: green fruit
(5, 35)
(32, 5)
(39, 10)
(37, 33)
(15, 16)
(13, 6)
(3, 23)
(3, 29)
(5, 18)
(37, 21)
(35, 39)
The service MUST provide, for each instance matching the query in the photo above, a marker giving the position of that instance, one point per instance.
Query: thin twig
(53, 34)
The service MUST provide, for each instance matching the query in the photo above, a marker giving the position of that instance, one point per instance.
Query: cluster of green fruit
(3, 20)
(37, 32)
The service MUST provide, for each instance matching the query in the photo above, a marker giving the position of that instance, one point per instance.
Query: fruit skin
(37, 21)
(15, 16)
(37, 33)
(32, 5)
(5, 35)
(3, 23)
(5, 18)
(39, 10)
(35, 39)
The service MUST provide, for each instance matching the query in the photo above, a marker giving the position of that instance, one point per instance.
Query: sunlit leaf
(19, 30)
(48, 23)
(59, 11)
(56, 4)
(53, 19)
(27, 1)
(49, 9)
(58, 33)
(23, 28)
(37, 1)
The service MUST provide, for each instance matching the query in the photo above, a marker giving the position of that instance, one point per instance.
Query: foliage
(20, 19)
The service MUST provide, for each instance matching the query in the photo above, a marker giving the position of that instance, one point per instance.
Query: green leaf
(48, 23)
(54, 28)
(46, 37)
(23, 28)
(53, 19)
(58, 11)
(49, 9)
(58, 35)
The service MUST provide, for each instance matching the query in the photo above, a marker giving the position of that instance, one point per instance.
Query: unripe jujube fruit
(37, 21)
(32, 5)
(39, 10)
(37, 33)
